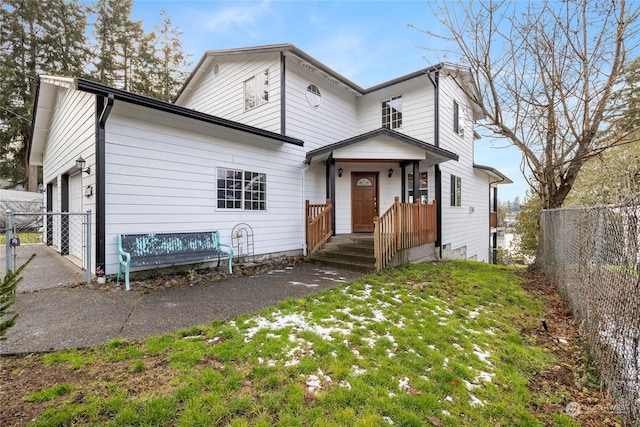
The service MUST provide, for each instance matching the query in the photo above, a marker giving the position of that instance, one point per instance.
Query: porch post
(495, 234)
(403, 181)
(331, 189)
(416, 182)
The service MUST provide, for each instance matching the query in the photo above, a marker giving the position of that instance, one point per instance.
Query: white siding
(222, 94)
(335, 119)
(417, 108)
(71, 135)
(161, 177)
(465, 226)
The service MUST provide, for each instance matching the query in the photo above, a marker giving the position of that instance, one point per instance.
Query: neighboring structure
(252, 135)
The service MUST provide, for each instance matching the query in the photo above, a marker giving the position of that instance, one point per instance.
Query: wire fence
(593, 255)
(68, 233)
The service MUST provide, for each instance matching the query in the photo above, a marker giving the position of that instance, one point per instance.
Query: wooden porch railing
(403, 226)
(318, 221)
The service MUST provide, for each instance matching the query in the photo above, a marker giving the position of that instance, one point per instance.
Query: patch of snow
(445, 363)
(306, 285)
(403, 384)
(482, 355)
(357, 371)
(484, 376)
(475, 313)
(292, 362)
(457, 346)
(470, 386)
(313, 383)
(388, 420)
(446, 413)
(449, 399)
(344, 384)
(475, 401)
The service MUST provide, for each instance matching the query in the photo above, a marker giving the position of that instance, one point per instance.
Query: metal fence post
(9, 236)
(88, 234)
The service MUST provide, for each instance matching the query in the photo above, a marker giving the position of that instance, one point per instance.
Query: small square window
(238, 189)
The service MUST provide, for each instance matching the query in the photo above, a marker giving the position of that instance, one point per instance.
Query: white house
(255, 133)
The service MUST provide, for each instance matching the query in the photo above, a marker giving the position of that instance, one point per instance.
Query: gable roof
(145, 101)
(202, 67)
(440, 154)
(45, 99)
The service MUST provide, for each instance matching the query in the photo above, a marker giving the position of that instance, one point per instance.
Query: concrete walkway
(54, 318)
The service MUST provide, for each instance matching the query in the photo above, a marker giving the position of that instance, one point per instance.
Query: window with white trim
(392, 113)
(456, 117)
(242, 190)
(456, 191)
(256, 90)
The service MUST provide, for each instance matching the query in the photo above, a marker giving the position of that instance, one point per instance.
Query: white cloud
(244, 17)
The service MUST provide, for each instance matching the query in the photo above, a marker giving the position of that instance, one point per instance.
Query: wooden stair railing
(318, 225)
(403, 226)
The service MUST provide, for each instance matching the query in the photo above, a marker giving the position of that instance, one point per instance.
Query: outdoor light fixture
(390, 172)
(340, 172)
(80, 165)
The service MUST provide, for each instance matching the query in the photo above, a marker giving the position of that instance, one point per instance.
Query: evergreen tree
(36, 36)
(8, 288)
(172, 60)
(126, 52)
(615, 174)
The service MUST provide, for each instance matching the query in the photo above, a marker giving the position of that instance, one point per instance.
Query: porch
(405, 233)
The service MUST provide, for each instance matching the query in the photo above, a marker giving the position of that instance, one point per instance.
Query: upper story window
(239, 189)
(392, 113)
(456, 117)
(256, 90)
(456, 191)
(313, 95)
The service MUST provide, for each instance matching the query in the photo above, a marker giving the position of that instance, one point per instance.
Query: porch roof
(434, 154)
(494, 173)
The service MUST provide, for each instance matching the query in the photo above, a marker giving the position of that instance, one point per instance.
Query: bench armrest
(230, 251)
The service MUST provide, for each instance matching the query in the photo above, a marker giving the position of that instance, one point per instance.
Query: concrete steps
(352, 252)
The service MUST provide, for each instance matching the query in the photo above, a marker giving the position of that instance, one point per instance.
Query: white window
(456, 117)
(392, 113)
(313, 95)
(456, 191)
(239, 189)
(256, 90)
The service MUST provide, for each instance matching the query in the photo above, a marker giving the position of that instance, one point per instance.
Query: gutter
(435, 81)
(102, 114)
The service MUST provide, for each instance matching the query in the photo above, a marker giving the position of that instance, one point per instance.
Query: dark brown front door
(364, 201)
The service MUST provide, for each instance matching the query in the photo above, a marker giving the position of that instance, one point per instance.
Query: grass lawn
(436, 344)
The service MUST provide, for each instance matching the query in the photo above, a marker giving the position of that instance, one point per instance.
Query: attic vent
(313, 95)
(307, 66)
(216, 68)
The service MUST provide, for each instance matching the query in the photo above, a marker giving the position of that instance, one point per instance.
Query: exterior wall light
(340, 172)
(390, 172)
(80, 165)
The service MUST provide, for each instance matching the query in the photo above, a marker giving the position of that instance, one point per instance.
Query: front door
(364, 201)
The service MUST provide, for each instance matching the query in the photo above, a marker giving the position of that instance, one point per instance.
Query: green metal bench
(165, 249)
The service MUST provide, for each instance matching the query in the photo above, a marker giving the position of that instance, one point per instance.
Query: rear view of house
(256, 136)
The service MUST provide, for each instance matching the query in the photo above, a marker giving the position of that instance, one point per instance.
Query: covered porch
(381, 183)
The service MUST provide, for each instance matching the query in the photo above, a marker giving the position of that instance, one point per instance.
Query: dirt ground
(572, 377)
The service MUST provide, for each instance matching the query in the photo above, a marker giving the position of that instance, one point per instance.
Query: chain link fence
(67, 232)
(593, 255)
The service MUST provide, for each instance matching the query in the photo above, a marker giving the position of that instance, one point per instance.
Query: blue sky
(369, 42)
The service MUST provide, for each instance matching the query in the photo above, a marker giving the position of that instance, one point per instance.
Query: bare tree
(545, 74)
